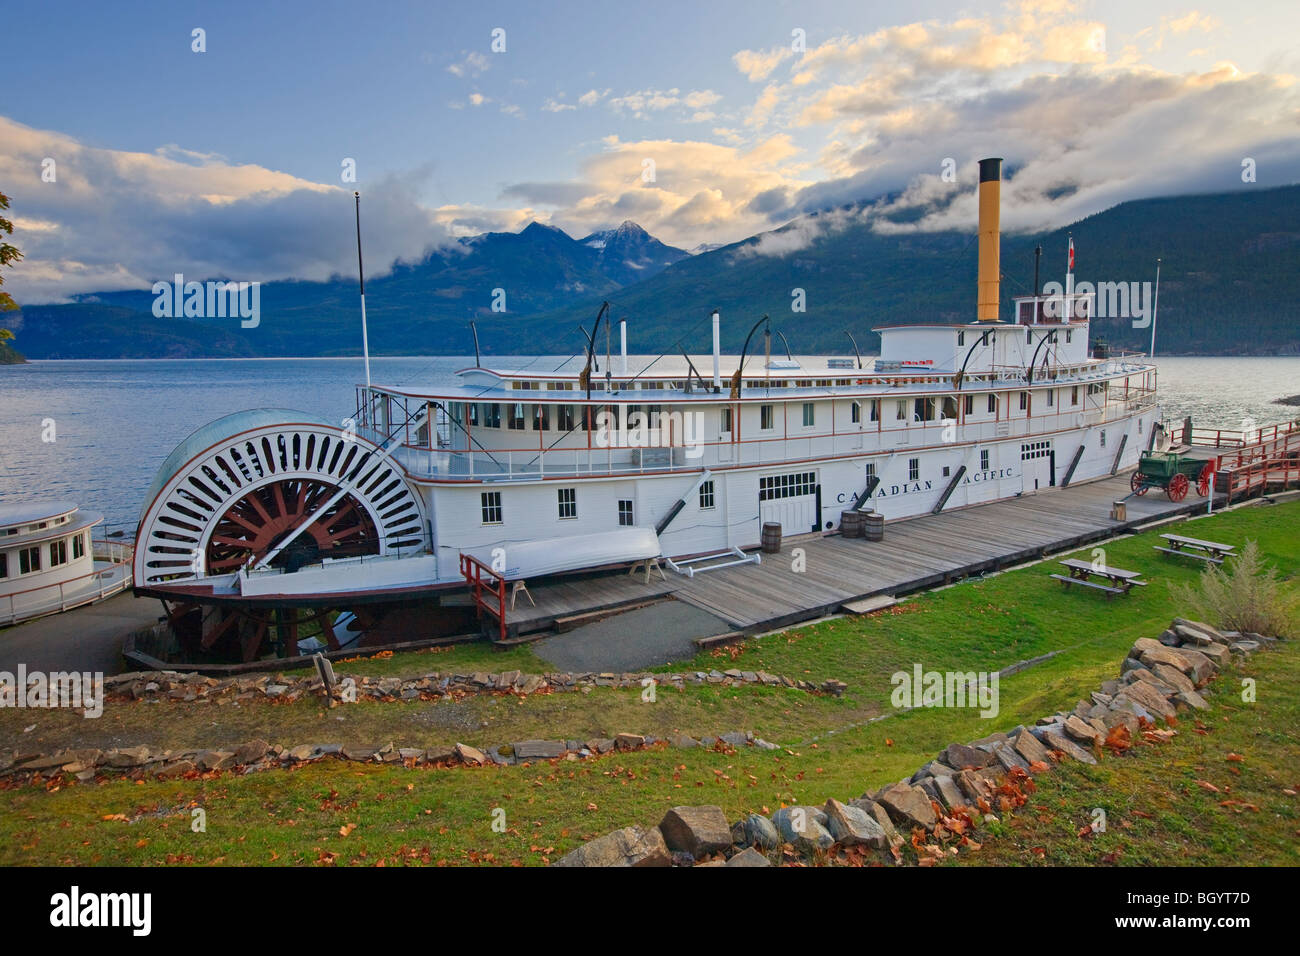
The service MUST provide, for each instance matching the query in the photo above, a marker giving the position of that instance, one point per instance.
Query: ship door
(791, 500)
(1036, 459)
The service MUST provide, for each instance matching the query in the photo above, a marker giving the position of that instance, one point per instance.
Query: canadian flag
(1071, 266)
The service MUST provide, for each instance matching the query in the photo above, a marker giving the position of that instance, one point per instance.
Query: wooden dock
(846, 574)
(921, 552)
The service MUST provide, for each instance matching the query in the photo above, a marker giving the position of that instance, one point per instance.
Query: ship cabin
(606, 416)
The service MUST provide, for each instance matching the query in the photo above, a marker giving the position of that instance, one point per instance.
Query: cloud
(117, 219)
(643, 102)
(471, 64)
(758, 64)
(553, 105)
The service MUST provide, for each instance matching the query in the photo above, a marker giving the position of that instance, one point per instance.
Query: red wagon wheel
(1203, 480)
(1178, 486)
(1137, 484)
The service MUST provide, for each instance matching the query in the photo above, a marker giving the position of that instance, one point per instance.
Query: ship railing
(102, 582)
(1279, 437)
(1256, 477)
(580, 462)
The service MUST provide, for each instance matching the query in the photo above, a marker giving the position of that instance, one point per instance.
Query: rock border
(940, 804)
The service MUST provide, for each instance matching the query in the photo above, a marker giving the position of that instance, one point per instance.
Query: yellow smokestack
(990, 246)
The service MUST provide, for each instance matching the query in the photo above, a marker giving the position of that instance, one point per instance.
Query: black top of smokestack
(990, 170)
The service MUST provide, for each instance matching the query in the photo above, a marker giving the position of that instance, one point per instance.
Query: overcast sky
(229, 162)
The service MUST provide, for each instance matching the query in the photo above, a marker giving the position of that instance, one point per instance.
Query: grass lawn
(831, 747)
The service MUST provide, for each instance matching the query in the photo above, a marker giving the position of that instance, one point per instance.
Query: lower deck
(916, 553)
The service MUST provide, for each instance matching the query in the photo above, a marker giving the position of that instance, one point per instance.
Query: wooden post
(326, 672)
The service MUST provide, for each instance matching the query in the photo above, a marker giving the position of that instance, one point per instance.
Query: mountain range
(1230, 275)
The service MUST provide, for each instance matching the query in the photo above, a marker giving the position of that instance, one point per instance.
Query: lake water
(115, 421)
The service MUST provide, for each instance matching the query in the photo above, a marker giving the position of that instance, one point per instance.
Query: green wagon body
(1172, 473)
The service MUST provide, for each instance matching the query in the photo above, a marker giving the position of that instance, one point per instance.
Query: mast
(361, 276)
(1155, 309)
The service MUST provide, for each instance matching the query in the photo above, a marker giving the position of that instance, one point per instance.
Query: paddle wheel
(272, 492)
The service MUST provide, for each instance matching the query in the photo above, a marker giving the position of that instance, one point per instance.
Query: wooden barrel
(873, 526)
(851, 523)
(771, 537)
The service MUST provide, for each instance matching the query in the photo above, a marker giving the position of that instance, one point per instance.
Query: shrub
(1243, 595)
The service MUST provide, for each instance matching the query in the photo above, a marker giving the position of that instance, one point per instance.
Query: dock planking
(919, 552)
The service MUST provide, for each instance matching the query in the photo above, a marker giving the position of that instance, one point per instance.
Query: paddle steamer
(558, 466)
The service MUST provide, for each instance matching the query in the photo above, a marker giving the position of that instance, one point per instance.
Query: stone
(1143, 693)
(1007, 756)
(539, 749)
(128, 757)
(1199, 666)
(698, 831)
(1172, 676)
(1169, 638)
(251, 752)
(361, 754)
(302, 752)
(804, 828)
(734, 739)
(1243, 647)
(757, 831)
(1150, 679)
(1165, 655)
(630, 846)
(1211, 632)
(1217, 653)
(406, 753)
(852, 826)
(975, 787)
(1192, 699)
(215, 759)
(178, 768)
(961, 756)
(1080, 730)
(950, 794)
(881, 816)
(908, 806)
(601, 745)
(1027, 746)
(1142, 645)
(471, 755)
(1068, 747)
(684, 740)
(629, 741)
(55, 761)
(749, 857)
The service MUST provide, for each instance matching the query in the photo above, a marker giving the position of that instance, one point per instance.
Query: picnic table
(1121, 581)
(1213, 551)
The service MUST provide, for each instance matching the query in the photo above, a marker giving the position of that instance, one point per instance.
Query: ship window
(29, 560)
(491, 507)
(4, 565)
(625, 512)
(787, 486)
(993, 403)
(1024, 401)
(706, 495)
(984, 459)
(855, 412)
(1103, 438)
(871, 471)
(970, 404)
(949, 408)
(473, 413)
(568, 498)
(1074, 395)
(1069, 334)
(961, 338)
(875, 409)
(1029, 336)
(564, 418)
(516, 420)
(541, 417)
(78, 546)
(1036, 449)
(947, 470)
(765, 417)
(491, 415)
(913, 469)
(809, 414)
(1051, 397)
(724, 420)
(58, 553)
